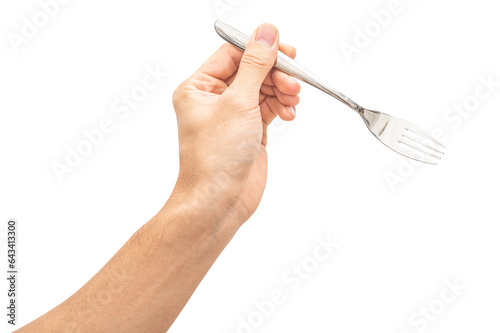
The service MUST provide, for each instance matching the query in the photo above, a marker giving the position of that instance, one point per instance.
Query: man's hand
(223, 111)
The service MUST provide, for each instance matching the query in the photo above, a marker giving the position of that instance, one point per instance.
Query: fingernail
(266, 35)
(292, 110)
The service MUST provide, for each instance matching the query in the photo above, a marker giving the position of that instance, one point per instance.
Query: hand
(223, 111)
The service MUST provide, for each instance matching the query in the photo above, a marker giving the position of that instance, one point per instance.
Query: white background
(327, 174)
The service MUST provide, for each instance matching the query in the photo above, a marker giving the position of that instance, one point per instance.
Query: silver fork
(400, 135)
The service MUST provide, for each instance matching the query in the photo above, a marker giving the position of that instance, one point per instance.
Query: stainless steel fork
(400, 135)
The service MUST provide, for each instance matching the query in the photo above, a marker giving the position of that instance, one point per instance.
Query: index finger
(223, 63)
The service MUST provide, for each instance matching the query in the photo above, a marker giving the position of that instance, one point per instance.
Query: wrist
(204, 207)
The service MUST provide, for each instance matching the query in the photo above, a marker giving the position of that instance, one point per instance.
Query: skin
(223, 111)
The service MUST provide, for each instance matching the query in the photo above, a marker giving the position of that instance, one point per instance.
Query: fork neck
(321, 85)
(290, 66)
(339, 96)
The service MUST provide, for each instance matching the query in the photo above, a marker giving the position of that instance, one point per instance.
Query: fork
(398, 134)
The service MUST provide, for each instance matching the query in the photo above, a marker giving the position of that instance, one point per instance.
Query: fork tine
(417, 146)
(403, 137)
(424, 143)
(417, 154)
(416, 130)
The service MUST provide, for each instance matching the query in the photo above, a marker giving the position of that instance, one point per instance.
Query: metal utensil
(400, 135)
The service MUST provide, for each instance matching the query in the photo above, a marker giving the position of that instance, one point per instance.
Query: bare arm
(222, 113)
(147, 283)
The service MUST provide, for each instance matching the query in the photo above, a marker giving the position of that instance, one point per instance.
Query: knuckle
(179, 95)
(255, 60)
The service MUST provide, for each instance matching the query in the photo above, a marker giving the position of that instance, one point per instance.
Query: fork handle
(284, 63)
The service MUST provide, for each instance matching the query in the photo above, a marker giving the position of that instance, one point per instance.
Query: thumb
(258, 59)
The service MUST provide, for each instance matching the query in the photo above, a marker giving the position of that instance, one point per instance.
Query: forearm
(146, 284)
(222, 114)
